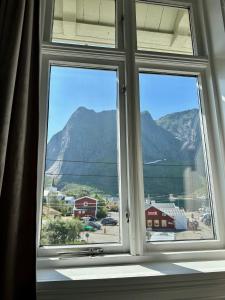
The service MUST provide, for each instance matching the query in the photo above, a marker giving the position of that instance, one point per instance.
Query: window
(163, 28)
(88, 22)
(164, 223)
(174, 157)
(156, 223)
(81, 156)
(126, 159)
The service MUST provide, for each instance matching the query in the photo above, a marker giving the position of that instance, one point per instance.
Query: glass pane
(163, 28)
(84, 22)
(80, 198)
(177, 190)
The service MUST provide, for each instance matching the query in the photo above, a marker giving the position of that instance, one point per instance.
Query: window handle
(123, 89)
(127, 216)
(85, 252)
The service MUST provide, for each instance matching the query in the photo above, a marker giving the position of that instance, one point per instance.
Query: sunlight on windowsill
(130, 271)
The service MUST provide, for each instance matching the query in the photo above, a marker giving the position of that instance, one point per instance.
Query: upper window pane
(163, 28)
(84, 22)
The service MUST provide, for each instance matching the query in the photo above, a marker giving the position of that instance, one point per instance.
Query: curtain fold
(19, 97)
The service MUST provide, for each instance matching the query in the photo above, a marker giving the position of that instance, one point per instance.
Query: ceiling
(92, 22)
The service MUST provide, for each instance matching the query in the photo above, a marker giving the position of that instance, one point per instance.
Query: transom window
(163, 28)
(84, 22)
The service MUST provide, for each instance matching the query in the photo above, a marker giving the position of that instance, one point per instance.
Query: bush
(102, 212)
(58, 231)
(74, 227)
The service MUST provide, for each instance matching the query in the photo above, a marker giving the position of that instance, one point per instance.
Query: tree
(113, 207)
(58, 231)
(60, 205)
(102, 210)
(74, 227)
(52, 200)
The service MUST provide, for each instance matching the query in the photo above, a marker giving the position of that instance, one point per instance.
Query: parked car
(206, 219)
(87, 219)
(109, 221)
(94, 225)
(88, 228)
(92, 219)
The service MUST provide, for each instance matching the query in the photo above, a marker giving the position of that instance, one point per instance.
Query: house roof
(86, 197)
(168, 208)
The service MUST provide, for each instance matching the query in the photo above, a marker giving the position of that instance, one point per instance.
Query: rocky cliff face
(87, 145)
(185, 127)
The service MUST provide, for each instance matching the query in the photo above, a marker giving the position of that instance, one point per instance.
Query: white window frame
(58, 59)
(130, 61)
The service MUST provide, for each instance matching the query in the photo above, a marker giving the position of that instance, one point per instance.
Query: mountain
(85, 151)
(185, 127)
(157, 143)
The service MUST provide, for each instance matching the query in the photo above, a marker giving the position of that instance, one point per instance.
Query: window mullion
(119, 24)
(122, 166)
(48, 10)
(135, 170)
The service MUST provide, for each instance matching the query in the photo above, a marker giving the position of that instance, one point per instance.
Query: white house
(69, 200)
(175, 212)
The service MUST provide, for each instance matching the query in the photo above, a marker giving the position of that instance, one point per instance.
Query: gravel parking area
(203, 232)
(107, 234)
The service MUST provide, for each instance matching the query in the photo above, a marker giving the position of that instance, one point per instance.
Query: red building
(157, 219)
(85, 207)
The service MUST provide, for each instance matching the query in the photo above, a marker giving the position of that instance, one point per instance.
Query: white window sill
(180, 280)
(127, 271)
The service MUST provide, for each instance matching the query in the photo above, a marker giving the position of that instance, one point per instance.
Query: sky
(71, 88)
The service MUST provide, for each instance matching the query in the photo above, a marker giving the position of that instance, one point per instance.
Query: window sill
(130, 271)
(175, 280)
(69, 261)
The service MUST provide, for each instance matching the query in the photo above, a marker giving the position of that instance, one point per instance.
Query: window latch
(123, 89)
(127, 216)
(85, 252)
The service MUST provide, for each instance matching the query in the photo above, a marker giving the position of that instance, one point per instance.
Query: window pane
(163, 28)
(84, 22)
(80, 199)
(177, 191)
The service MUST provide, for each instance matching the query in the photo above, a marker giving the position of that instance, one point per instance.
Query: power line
(82, 161)
(80, 175)
(111, 176)
(161, 165)
(116, 163)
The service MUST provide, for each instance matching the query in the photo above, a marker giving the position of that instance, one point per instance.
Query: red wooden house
(85, 207)
(157, 219)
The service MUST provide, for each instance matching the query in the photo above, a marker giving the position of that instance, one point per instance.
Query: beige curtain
(19, 96)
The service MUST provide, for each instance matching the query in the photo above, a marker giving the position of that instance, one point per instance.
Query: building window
(156, 223)
(164, 223)
(125, 128)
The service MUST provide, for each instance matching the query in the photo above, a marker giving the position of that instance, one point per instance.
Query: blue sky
(165, 94)
(71, 88)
